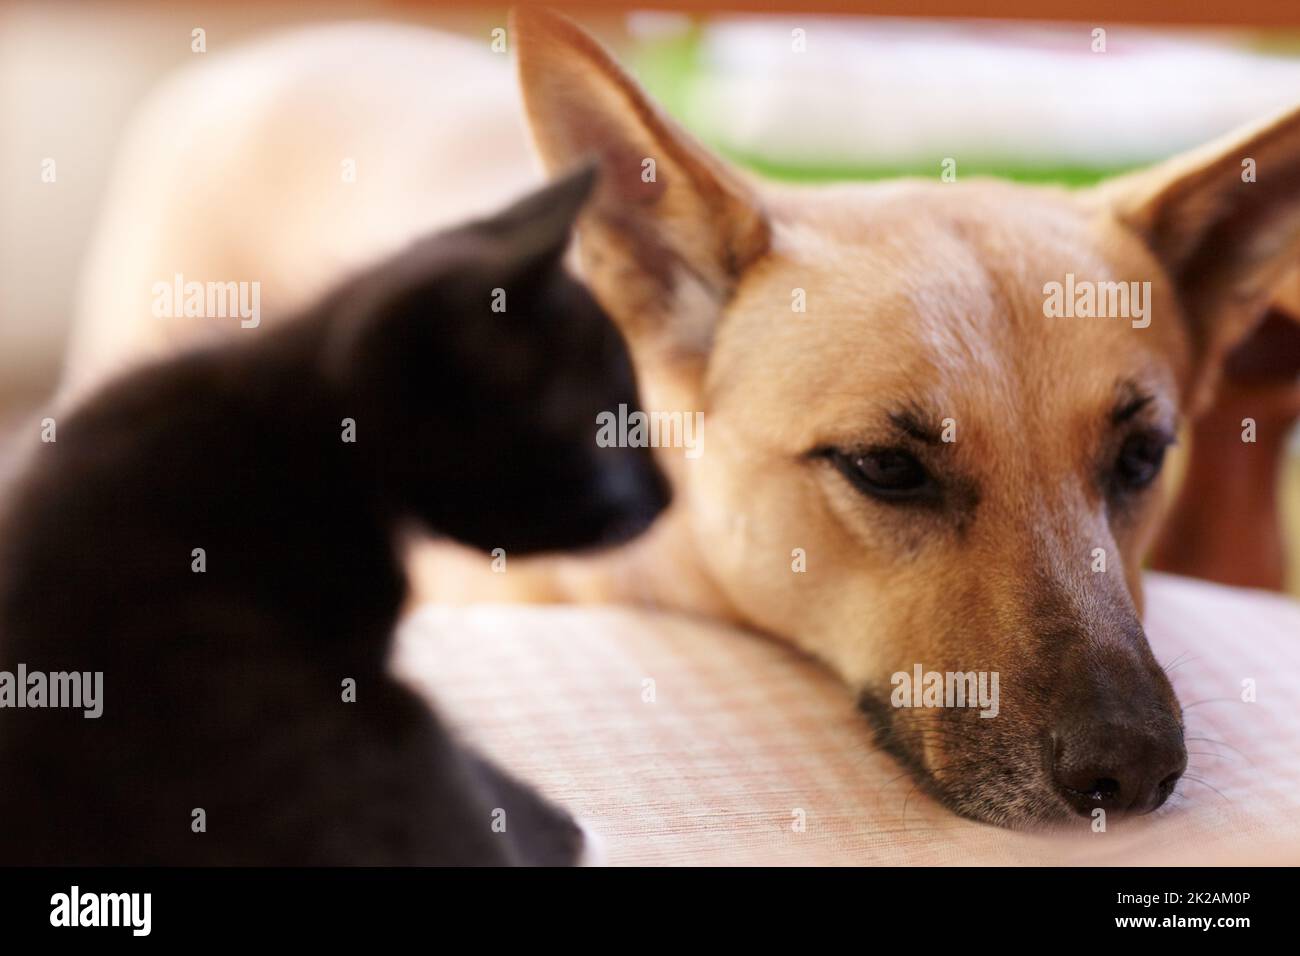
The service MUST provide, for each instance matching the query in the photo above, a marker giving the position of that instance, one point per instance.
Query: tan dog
(825, 429)
(923, 469)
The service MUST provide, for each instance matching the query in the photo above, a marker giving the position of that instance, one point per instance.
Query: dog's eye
(892, 474)
(1140, 459)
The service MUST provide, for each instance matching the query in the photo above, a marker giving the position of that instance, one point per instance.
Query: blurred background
(1010, 89)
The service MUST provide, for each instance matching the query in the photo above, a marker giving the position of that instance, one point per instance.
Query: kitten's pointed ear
(537, 227)
(385, 310)
(1224, 221)
(671, 228)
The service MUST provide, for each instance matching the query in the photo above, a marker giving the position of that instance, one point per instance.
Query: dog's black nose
(1120, 769)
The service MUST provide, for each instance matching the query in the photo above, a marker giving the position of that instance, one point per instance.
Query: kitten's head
(478, 368)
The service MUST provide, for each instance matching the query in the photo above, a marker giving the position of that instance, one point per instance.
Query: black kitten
(225, 670)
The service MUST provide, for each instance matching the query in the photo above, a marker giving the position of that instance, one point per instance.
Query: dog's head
(912, 457)
(479, 369)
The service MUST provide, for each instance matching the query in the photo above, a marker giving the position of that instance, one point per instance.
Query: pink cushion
(742, 733)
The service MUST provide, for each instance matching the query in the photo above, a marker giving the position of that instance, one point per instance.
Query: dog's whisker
(1221, 743)
(1191, 778)
(1207, 753)
(1210, 700)
(915, 787)
(1177, 662)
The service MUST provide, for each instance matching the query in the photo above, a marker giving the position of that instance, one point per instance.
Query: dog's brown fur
(924, 299)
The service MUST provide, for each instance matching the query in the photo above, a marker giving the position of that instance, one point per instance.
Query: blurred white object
(889, 92)
(289, 163)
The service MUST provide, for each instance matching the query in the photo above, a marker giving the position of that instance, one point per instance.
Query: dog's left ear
(1224, 221)
(670, 228)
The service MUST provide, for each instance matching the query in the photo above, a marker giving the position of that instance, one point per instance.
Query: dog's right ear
(670, 228)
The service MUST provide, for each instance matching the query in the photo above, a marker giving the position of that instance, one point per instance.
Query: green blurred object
(1062, 175)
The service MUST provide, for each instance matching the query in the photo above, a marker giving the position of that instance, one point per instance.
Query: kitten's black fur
(223, 690)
